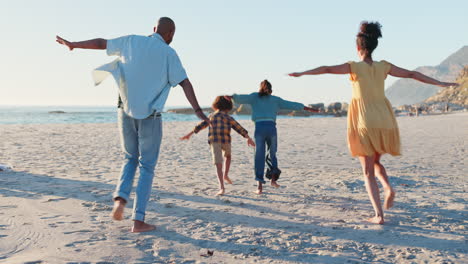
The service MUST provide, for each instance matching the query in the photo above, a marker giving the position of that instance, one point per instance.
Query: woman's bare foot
(227, 180)
(221, 192)
(376, 220)
(274, 184)
(259, 188)
(389, 198)
(117, 211)
(140, 226)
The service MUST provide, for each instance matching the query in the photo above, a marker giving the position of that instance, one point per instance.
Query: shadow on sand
(32, 186)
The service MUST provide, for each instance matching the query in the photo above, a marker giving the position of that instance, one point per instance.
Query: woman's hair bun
(370, 30)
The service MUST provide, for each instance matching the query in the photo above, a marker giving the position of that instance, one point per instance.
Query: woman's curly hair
(367, 38)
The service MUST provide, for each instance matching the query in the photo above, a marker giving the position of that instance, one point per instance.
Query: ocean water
(80, 114)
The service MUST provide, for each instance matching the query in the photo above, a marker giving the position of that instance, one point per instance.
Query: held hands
(65, 42)
(250, 142)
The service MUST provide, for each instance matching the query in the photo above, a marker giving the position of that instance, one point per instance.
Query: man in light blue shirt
(145, 70)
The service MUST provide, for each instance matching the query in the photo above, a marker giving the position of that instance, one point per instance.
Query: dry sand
(55, 203)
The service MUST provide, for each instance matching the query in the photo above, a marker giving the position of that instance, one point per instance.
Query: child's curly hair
(222, 104)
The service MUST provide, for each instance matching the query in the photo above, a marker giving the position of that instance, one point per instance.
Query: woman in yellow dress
(372, 127)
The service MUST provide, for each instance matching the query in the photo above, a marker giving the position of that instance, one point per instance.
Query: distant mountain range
(408, 91)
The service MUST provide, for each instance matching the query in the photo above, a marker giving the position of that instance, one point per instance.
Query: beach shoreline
(57, 198)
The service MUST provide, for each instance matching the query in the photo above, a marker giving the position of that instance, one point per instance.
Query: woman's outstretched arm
(403, 73)
(336, 69)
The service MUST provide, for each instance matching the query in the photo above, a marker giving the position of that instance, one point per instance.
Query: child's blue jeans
(265, 137)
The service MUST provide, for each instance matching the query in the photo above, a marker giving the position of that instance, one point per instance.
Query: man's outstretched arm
(98, 43)
(190, 94)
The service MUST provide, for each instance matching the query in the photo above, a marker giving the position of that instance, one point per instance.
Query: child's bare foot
(221, 192)
(117, 211)
(389, 198)
(274, 184)
(376, 220)
(227, 180)
(140, 226)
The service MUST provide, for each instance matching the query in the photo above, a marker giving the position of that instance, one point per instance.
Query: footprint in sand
(50, 217)
(55, 199)
(78, 231)
(8, 206)
(91, 241)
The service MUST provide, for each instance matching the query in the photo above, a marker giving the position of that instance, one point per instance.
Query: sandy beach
(55, 203)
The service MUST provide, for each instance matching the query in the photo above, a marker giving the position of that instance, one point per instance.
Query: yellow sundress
(372, 127)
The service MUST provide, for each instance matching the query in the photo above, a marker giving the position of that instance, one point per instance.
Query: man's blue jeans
(141, 141)
(265, 136)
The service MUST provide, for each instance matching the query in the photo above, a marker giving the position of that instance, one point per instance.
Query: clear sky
(226, 46)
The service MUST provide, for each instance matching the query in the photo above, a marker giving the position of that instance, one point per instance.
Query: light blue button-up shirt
(145, 70)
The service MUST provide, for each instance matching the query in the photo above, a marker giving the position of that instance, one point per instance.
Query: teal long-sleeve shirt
(265, 107)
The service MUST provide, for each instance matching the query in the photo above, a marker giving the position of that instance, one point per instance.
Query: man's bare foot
(117, 211)
(389, 198)
(274, 184)
(140, 226)
(227, 180)
(376, 220)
